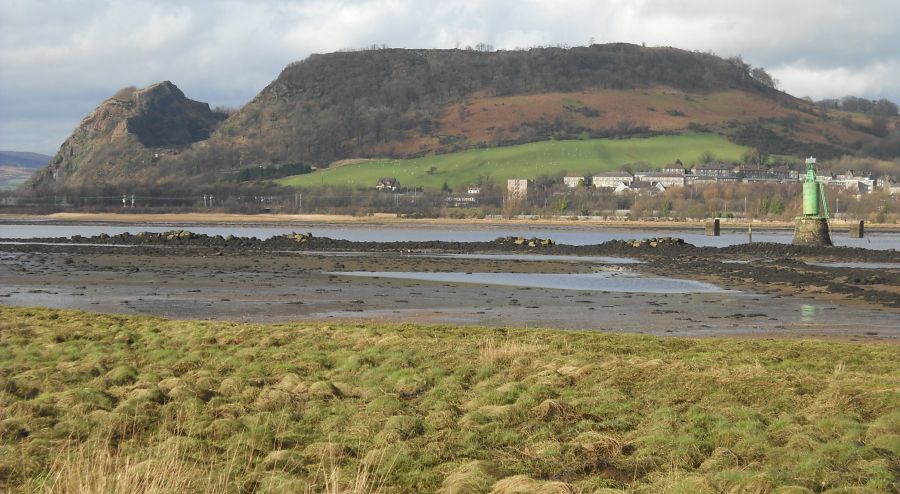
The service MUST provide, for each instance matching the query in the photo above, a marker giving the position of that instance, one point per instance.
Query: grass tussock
(108, 403)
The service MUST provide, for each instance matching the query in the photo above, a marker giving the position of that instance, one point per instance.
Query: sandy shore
(392, 219)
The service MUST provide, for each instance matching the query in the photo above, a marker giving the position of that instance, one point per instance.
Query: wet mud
(777, 291)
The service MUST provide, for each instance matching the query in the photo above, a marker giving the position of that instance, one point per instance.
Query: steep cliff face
(127, 133)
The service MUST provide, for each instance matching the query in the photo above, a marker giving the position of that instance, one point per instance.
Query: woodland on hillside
(348, 104)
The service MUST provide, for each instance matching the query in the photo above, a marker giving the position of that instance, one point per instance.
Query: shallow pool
(598, 282)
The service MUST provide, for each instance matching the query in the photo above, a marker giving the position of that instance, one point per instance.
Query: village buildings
(517, 188)
(676, 175)
(387, 183)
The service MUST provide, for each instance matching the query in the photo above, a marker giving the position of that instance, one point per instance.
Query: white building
(517, 188)
(666, 179)
(611, 180)
(574, 181)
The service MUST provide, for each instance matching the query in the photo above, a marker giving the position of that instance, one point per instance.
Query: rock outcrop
(128, 133)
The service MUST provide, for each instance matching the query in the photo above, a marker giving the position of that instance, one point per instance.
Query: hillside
(126, 134)
(464, 168)
(402, 104)
(23, 159)
(16, 167)
(406, 103)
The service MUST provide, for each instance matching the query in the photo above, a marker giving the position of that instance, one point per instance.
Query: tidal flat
(751, 290)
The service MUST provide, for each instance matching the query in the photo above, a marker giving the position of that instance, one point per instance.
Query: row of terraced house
(675, 175)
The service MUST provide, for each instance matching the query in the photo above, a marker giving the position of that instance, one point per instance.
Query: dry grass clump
(555, 410)
(99, 403)
(91, 468)
(469, 477)
(492, 351)
(523, 484)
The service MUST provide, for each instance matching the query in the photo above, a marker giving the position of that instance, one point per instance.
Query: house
(611, 180)
(666, 179)
(753, 173)
(640, 188)
(714, 170)
(674, 168)
(387, 183)
(784, 173)
(460, 201)
(890, 186)
(850, 181)
(574, 181)
(517, 188)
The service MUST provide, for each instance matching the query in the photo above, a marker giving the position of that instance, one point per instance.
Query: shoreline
(393, 220)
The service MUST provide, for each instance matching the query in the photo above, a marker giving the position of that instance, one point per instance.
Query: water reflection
(601, 281)
(808, 313)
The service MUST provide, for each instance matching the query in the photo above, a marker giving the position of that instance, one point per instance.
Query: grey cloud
(59, 59)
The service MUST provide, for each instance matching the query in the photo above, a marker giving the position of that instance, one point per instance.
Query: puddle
(857, 265)
(540, 257)
(598, 282)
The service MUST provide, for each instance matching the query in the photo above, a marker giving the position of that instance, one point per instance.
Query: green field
(525, 161)
(111, 403)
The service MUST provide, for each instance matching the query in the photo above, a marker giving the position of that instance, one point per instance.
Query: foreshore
(394, 220)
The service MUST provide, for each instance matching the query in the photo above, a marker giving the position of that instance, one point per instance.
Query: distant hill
(23, 159)
(16, 167)
(406, 104)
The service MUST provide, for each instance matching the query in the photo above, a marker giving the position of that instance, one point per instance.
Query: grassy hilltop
(103, 403)
(523, 161)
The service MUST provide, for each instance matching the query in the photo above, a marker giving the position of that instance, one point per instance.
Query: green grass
(104, 403)
(524, 161)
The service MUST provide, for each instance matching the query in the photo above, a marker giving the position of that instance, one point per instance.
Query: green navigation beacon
(812, 227)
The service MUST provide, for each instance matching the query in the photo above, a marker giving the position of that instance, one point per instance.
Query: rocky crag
(128, 134)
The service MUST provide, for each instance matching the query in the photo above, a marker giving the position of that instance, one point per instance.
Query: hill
(404, 104)
(127, 134)
(23, 159)
(16, 167)
(526, 160)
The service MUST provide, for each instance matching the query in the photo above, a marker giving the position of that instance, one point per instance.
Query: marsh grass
(107, 403)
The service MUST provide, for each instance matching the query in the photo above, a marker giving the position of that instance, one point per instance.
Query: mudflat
(765, 289)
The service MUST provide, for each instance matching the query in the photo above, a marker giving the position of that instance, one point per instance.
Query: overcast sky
(59, 59)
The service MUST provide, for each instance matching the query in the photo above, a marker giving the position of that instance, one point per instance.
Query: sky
(59, 59)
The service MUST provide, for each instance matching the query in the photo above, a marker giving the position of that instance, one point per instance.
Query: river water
(570, 235)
